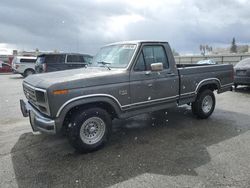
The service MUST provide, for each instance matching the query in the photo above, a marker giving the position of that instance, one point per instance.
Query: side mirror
(156, 67)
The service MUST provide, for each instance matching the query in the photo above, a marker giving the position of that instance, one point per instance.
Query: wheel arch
(107, 103)
(28, 69)
(212, 84)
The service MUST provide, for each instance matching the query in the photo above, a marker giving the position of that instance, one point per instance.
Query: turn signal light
(60, 92)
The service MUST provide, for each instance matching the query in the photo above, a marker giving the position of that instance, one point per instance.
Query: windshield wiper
(105, 64)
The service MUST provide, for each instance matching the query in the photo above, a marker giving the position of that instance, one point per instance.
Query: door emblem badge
(123, 92)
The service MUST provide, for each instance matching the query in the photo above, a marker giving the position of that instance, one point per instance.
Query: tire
(89, 129)
(28, 72)
(204, 104)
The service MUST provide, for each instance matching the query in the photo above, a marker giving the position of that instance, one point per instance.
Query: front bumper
(37, 120)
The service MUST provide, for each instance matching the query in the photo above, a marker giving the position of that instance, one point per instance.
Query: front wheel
(204, 104)
(89, 129)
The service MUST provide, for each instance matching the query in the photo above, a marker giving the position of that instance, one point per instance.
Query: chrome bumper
(37, 120)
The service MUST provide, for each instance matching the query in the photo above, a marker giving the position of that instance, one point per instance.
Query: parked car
(207, 61)
(242, 73)
(24, 65)
(126, 79)
(4, 67)
(61, 61)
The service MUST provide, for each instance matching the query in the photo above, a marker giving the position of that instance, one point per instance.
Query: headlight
(42, 102)
(40, 97)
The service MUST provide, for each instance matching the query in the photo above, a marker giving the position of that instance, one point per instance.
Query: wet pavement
(163, 149)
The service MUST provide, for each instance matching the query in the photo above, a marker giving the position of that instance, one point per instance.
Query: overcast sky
(84, 26)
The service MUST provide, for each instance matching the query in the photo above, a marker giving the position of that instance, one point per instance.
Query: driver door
(148, 87)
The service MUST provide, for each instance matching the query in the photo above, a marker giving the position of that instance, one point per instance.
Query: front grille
(30, 94)
(37, 97)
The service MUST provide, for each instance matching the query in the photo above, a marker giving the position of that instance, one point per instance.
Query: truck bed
(192, 76)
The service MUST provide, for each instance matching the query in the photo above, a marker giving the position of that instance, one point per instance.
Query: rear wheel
(90, 129)
(204, 104)
(28, 72)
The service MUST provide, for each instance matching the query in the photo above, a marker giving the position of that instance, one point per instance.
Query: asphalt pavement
(170, 148)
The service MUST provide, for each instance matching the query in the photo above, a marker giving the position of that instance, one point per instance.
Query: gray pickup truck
(125, 79)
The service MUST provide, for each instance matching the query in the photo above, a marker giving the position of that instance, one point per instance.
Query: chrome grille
(36, 97)
(30, 94)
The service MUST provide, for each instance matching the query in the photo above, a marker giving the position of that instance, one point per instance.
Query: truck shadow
(168, 143)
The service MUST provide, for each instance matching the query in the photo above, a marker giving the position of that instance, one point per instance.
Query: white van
(24, 65)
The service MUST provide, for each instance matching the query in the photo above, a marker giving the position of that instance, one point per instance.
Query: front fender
(84, 100)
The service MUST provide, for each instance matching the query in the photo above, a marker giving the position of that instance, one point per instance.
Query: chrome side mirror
(156, 66)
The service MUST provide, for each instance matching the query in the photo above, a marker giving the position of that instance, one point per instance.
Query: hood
(76, 78)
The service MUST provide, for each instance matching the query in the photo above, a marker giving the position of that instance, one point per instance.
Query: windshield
(243, 63)
(114, 56)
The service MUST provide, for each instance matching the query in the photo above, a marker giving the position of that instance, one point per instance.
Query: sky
(86, 25)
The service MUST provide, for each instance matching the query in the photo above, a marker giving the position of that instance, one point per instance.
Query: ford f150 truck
(126, 79)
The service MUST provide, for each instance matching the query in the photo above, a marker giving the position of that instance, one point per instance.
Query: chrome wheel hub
(207, 104)
(92, 130)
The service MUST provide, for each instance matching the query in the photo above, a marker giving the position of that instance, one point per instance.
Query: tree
(233, 48)
(205, 48)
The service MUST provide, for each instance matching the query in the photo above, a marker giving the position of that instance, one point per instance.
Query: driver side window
(149, 55)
